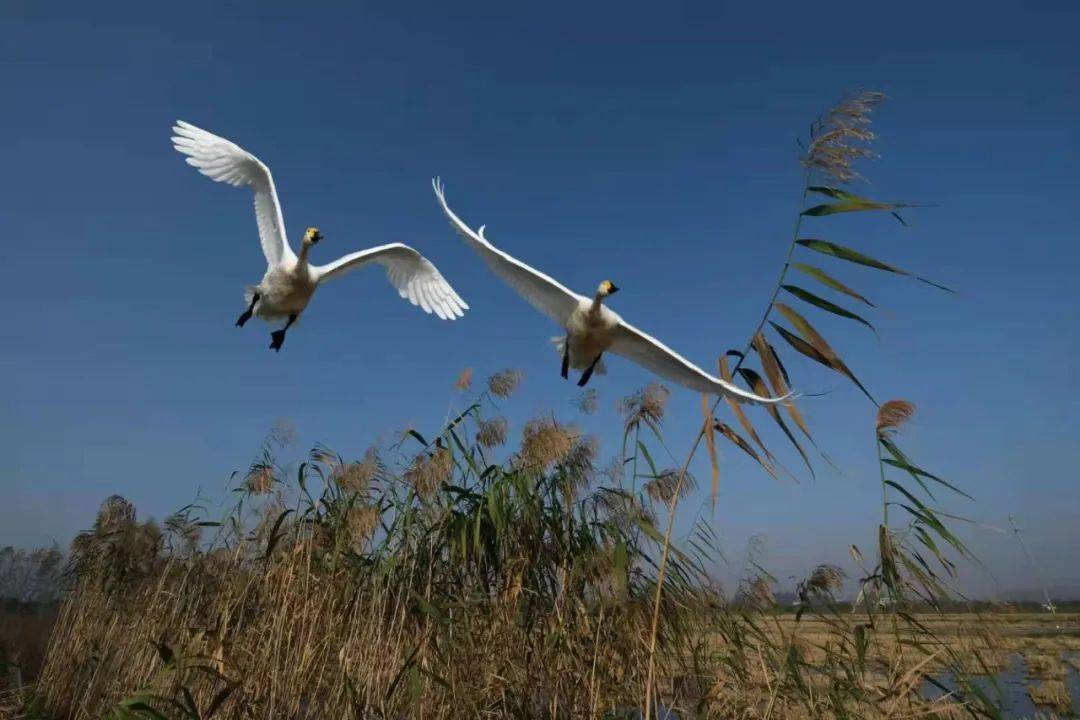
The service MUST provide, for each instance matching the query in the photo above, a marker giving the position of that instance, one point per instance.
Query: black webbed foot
(588, 372)
(246, 315)
(277, 339)
(566, 360)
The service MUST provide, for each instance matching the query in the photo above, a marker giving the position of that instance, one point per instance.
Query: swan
(591, 328)
(290, 280)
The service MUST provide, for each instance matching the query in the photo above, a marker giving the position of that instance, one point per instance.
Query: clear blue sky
(652, 144)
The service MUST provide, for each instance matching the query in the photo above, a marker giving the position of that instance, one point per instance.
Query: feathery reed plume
(464, 380)
(579, 464)
(839, 139)
(756, 593)
(823, 580)
(892, 414)
(492, 433)
(115, 514)
(545, 443)
(645, 405)
(282, 434)
(357, 476)
(429, 471)
(503, 384)
(362, 521)
(587, 401)
(259, 479)
(662, 487)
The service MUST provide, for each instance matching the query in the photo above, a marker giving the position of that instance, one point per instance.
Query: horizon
(656, 151)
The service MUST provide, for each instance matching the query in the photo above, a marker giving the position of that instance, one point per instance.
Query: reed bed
(452, 585)
(469, 575)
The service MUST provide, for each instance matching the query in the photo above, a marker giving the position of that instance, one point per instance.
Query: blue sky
(653, 145)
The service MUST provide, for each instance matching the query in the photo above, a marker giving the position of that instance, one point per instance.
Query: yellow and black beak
(316, 237)
(611, 288)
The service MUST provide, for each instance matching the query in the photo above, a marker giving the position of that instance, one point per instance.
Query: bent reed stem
(662, 569)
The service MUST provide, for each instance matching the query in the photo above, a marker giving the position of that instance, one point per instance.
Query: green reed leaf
(851, 203)
(829, 281)
(824, 304)
(854, 256)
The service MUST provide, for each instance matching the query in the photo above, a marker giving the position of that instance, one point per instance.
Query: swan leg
(246, 315)
(278, 336)
(566, 359)
(589, 371)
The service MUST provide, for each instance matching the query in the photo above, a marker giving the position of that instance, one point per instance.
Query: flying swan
(291, 281)
(591, 327)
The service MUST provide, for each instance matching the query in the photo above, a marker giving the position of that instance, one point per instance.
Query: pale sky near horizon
(653, 144)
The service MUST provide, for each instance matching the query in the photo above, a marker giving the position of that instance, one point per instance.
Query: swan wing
(657, 357)
(224, 161)
(415, 277)
(543, 292)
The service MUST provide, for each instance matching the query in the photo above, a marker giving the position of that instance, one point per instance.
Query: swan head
(312, 236)
(606, 288)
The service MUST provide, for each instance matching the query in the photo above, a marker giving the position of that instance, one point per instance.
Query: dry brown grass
(521, 592)
(1045, 666)
(1052, 694)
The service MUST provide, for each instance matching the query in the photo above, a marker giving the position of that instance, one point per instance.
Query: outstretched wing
(414, 276)
(544, 293)
(224, 161)
(657, 357)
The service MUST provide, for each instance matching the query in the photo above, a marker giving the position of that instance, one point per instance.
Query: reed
(460, 575)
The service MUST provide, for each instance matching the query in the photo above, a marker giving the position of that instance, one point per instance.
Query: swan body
(591, 328)
(291, 280)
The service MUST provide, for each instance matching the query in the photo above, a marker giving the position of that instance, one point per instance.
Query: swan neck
(302, 260)
(597, 303)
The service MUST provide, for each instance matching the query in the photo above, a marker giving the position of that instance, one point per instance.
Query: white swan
(291, 281)
(591, 328)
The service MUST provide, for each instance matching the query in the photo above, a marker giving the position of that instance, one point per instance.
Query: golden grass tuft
(491, 433)
(662, 487)
(646, 406)
(1052, 694)
(545, 443)
(503, 384)
(430, 470)
(892, 414)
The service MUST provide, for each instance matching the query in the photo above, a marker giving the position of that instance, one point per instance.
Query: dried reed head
(492, 433)
(892, 415)
(114, 514)
(429, 471)
(579, 465)
(662, 487)
(464, 380)
(645, 405)
(362, 521)
(760, 592)
(282, 434)
(503, 384)
(839, 139)
(357, 476)
(824, 580)
(588, 401)
(259, 479)
(545, 443)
